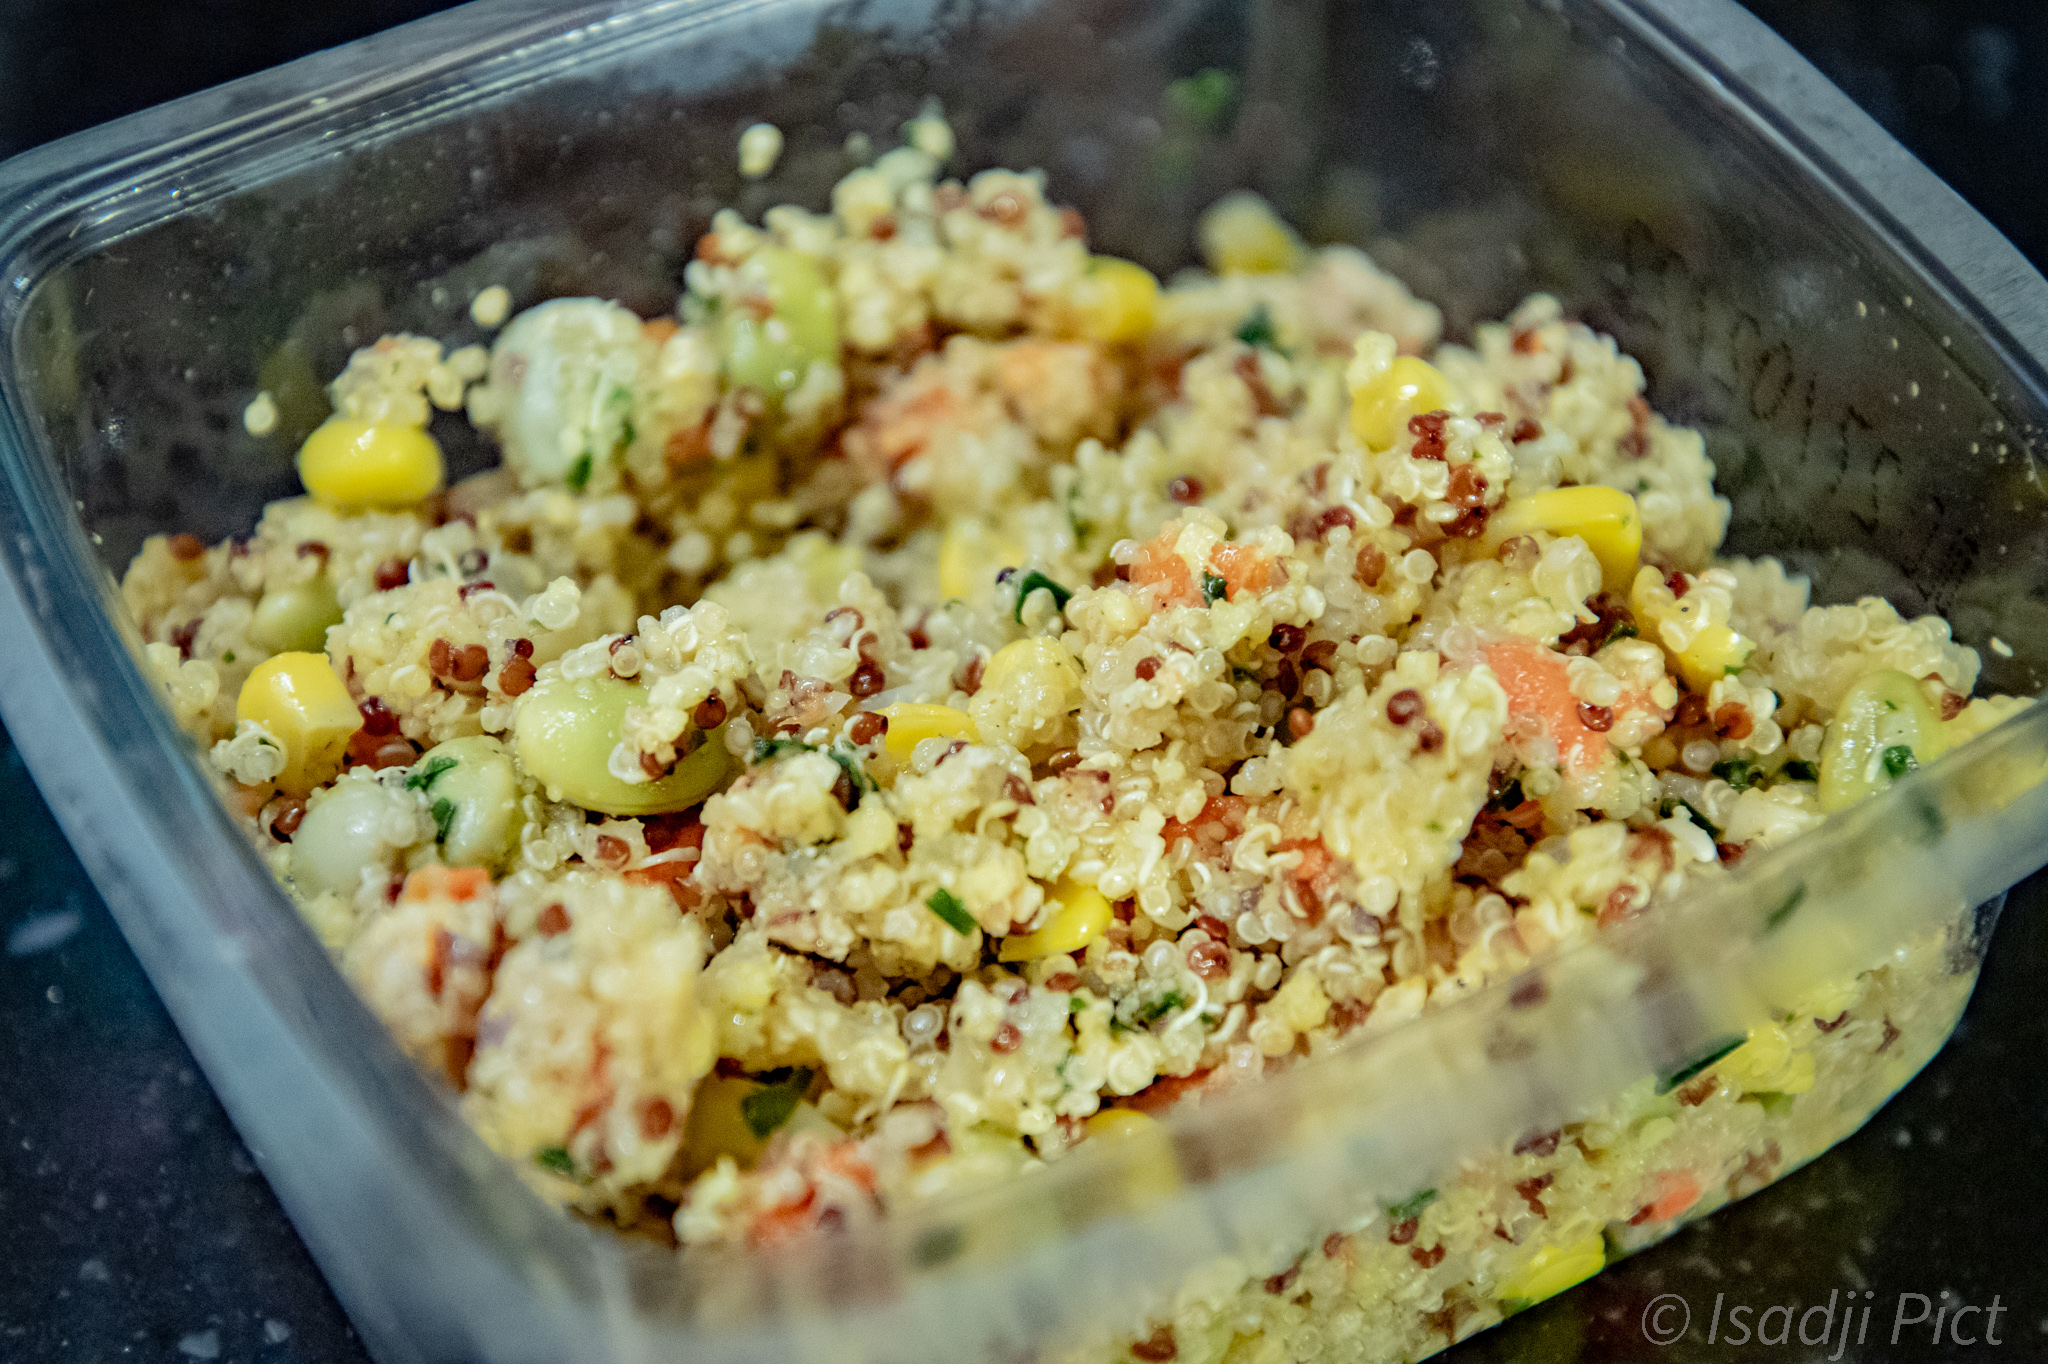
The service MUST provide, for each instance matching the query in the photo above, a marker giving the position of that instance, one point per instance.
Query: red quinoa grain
(1371, 565)
(516, 676)
(1405, 706)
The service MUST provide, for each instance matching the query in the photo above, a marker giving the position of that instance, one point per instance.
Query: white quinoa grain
(760, 149)
(491, 306)
(259, 418)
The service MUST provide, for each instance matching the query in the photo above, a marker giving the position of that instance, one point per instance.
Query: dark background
(137, 1228)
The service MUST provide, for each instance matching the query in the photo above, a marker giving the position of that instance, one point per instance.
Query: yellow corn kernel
(1116, 300)
(1380, 410)
(1605, 518)
(1157, 1175)
(1555, 1268)
(348, 463)
(1038, 658)
(912, 722)
(1716, 651)
(1120, 1122)
(970, 555)
(1766, 1063)
(1242, 235)
(1881, 714)
(718, 1125)
(1984, 714)
(300, 701)
(1080, 915)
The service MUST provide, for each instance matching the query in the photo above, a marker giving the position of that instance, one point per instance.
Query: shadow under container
(1863, 352)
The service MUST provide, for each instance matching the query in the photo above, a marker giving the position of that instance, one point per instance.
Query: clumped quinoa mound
(940, 696)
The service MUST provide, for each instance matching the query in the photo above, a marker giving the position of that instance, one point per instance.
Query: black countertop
(139, 1229)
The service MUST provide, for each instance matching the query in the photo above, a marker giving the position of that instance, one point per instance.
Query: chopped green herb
(1670, 806)
(1898, 760)
(1081, 525)
(555, 1158)
(1799, 770)
(428, 772)
(228, 657)
(1740, 773)
(443, 811)
(1154, 1010)
(768, 1107)
(849, 762)
(947, 906)
(1412, 1205)
(766, 750)
(1623, 629)
(579, 473)
(620, 400)
(1671, 1080)
(1034, 580)
(1784, 911)
(1075, 1004)
(1214, 589)
(1257, 328)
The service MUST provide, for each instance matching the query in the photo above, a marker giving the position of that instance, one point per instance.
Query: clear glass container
(1863, 352)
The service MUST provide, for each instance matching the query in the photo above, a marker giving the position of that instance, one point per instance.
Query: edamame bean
(343, 835)
(295, 619)
(565, 730)
(473, 794)
(773, 354)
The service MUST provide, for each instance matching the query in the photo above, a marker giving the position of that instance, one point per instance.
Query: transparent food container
(1863, 352)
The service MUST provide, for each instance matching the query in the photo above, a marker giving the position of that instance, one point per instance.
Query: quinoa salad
(942, 696)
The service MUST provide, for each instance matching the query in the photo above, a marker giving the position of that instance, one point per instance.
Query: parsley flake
(427, 773)
(768, 1107)
(947, 906)
(1672, 1079)
(1257, 329)
(1034, 580)
(1784, 911)
(1740, 773)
